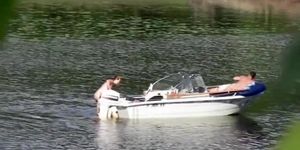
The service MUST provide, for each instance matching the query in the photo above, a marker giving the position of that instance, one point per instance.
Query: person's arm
(213, 90)
(237, 78)
(110, 84)
(97, 94)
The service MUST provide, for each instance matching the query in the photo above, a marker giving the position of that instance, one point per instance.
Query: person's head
(252, 75)
(116, 79)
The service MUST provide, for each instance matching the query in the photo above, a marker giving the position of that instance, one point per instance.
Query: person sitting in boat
(243, 82)
(107, 85)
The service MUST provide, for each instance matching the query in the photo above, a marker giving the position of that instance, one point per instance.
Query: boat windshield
(185, 83)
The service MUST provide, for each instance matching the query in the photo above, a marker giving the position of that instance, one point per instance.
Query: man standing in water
(107, 85)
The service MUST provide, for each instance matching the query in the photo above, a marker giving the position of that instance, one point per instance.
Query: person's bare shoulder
(236, 78)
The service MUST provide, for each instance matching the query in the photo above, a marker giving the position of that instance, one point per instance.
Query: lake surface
(58, 53)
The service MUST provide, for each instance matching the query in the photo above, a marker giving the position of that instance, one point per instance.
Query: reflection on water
(231, 132)
(289, 8)
(171, 133)
(156, 19)
(59, 52)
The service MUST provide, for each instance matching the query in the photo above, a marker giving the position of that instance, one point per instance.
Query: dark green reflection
(129, 20)
(6, 8)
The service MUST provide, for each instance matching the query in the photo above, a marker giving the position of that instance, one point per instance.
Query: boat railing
(226, 93)
(186, 95)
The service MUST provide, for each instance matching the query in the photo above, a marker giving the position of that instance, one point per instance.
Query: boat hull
(184, 108)
(178, 110)
(176, 96)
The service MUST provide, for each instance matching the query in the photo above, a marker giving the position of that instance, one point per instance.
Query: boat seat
(199, 89)
(156, 98)
(135, 98)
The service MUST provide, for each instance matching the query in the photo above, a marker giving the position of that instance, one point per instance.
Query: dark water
(57, 54)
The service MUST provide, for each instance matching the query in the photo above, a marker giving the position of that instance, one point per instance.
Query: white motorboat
(174, 96)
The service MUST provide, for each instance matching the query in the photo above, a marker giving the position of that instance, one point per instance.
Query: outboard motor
(110, 95)
(106, 102)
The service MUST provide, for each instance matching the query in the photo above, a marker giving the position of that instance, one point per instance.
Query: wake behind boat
(174, 96)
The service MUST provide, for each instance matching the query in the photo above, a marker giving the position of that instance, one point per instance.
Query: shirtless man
(107, 85)
(243, 83)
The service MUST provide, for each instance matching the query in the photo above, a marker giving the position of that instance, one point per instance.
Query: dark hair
(252, 74)
(115, 77)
